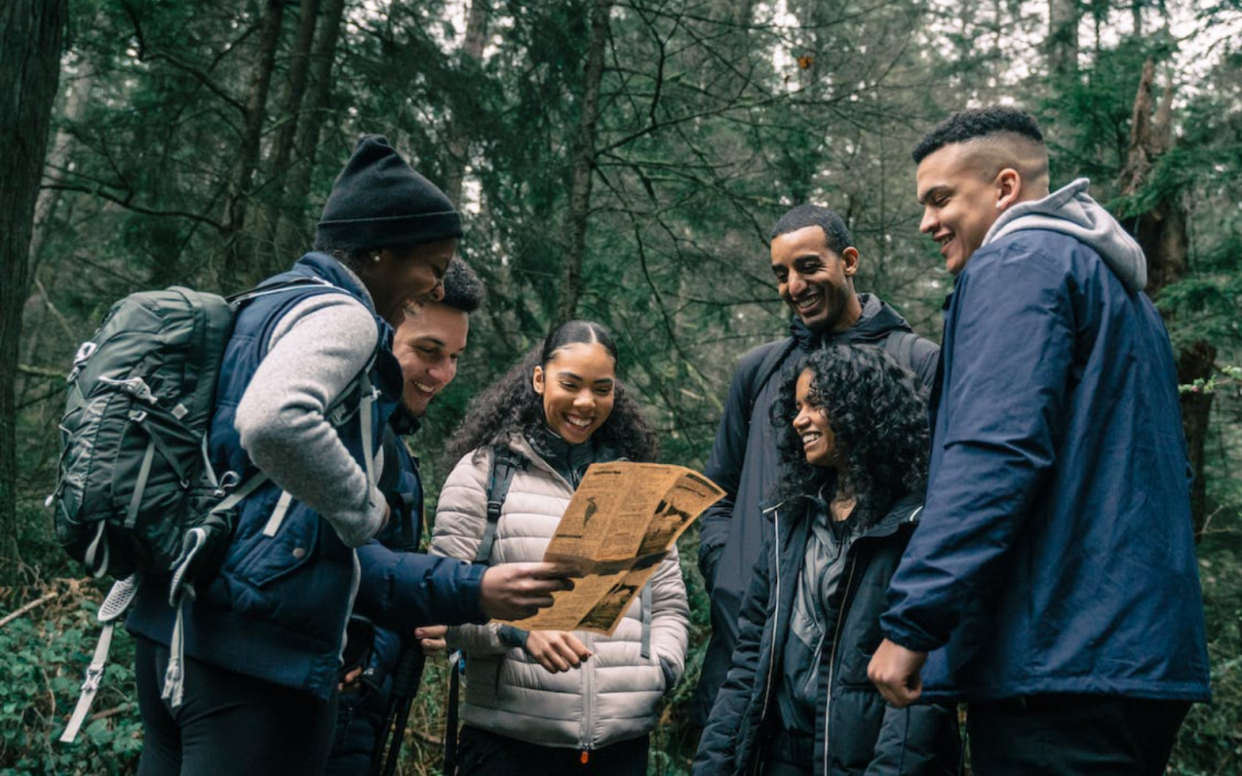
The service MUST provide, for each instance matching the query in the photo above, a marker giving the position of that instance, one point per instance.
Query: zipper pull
(586, 755)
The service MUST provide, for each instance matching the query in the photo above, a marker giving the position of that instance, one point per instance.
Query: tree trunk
(293, 229)
(57, 159)
(583, 165)
(282, 149)
(30, 70)
(1063, 36)
(458, 129)
(1162, 234)
(237, 253)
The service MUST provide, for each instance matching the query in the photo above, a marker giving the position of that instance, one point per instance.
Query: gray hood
(1073, 212)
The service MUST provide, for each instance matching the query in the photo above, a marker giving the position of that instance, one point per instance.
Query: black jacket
(863, 733)
(744, 462)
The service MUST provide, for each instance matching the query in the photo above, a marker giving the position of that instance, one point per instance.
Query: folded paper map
(621, 522)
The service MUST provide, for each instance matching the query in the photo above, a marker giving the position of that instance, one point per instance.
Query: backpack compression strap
(180, 588)
(119, 598)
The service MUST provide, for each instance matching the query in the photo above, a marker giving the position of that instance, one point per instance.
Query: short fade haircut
(463, 290)
(802, 216)
(978, 123)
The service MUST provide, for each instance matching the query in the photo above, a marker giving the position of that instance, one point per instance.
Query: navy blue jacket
(855, 731)
(278, 606)
(1055, 552)
(745, 463)
(401, 590)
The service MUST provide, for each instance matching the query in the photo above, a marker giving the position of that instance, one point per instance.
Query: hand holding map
(620, 524)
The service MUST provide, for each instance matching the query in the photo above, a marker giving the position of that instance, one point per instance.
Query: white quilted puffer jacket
(615, 695)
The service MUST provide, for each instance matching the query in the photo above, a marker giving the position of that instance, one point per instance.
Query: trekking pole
(404, 687)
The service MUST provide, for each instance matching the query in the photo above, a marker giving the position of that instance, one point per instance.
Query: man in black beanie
(378, 201)
(253, 658)
(382, 215)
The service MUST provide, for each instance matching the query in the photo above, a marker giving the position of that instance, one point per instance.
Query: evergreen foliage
(712, 119)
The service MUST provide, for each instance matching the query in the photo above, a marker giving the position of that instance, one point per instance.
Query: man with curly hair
(814, 262)
(1055, 561)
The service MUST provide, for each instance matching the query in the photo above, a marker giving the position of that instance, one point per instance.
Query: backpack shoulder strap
(913, 353)
(772, 360)
(505, 463)
(900, 345)
(263, 289)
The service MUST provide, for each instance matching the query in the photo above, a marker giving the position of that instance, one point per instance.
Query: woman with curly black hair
(548, 701)
(854, 452)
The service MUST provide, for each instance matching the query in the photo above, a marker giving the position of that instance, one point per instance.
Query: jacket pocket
(293, 546)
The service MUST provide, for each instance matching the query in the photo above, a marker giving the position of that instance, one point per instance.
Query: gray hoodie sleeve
(316, 351)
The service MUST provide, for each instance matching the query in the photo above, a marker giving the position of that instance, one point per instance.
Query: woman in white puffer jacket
(546, 701)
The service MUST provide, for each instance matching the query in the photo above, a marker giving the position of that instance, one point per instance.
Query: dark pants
(1101, 735)
(493, 755)
(227, 723)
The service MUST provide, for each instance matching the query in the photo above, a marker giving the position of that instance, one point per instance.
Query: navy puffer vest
(278, 607)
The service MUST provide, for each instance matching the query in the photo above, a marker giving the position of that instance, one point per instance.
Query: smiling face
(578, 388)
(403, 277)
(428, 344)
(960, 202)
(815, 282)
(818, 442)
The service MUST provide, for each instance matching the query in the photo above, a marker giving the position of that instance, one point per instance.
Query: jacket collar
(330, 269)
(519, 444)
(906, 510)
(404, 422)
(873, 326)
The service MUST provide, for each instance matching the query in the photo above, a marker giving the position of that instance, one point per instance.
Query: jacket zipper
(832, 656)
(588, 702)
(776, 621)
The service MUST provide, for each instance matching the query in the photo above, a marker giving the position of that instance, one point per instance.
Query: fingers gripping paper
(622, 521)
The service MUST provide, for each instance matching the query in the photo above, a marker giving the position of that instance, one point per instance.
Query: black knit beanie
(378, 201)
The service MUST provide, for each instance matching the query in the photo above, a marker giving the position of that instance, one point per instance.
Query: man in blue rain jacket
(1055, 559)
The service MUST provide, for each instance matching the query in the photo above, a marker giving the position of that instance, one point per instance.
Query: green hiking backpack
(134, 475)
(136, 493)
(134, 432)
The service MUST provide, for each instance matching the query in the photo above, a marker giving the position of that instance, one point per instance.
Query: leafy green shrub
(43, 657)
(1210, 741)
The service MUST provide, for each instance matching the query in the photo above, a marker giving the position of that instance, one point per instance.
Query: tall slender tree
(582, 164)
(1062, 41)
(293, 228)
(237, 251)
(1161, 230)
(33, 32)
(459, 128)
(290, 118)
